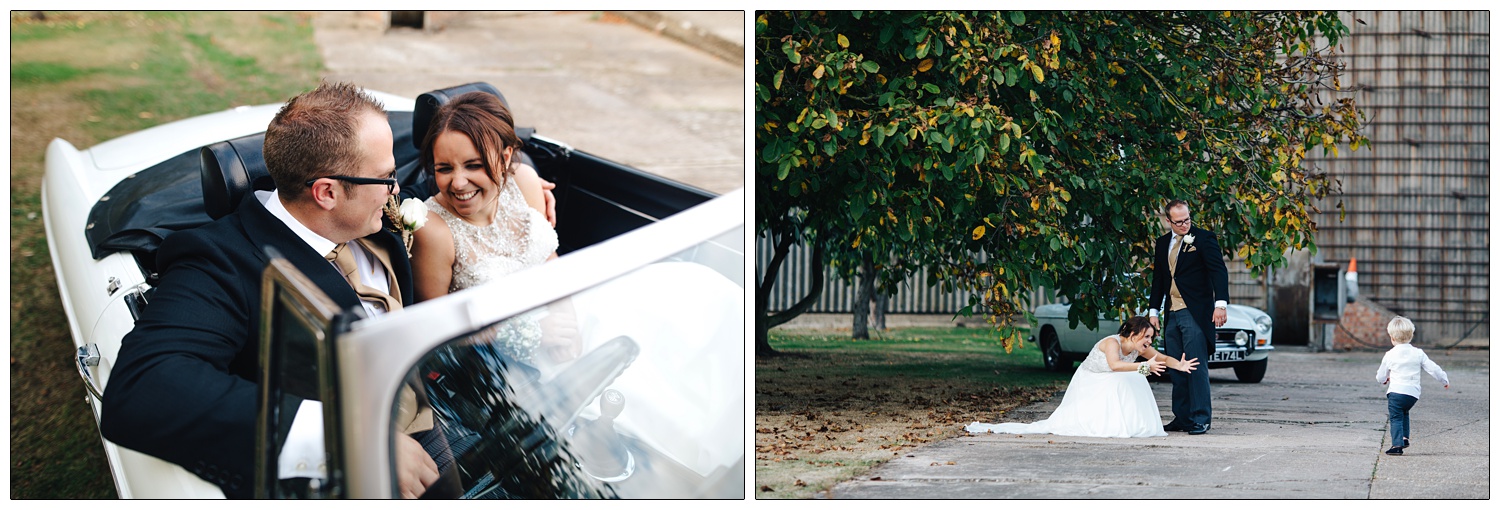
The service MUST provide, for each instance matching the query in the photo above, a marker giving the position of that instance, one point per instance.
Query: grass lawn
(830, 408)
(89, 77)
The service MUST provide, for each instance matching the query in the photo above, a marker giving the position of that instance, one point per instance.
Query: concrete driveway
(592, 80)
(1313, 429)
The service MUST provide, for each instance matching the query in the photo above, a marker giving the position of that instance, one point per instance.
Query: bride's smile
(466, 181)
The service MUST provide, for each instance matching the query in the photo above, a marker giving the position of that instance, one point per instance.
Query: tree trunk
(764, 320)
(881, 300)
(862, 298)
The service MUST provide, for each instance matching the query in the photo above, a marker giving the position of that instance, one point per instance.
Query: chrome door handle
(88, 356)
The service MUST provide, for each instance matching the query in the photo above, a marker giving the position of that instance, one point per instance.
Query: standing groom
(1194, 291)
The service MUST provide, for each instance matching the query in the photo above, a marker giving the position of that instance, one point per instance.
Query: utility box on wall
(1329, 293)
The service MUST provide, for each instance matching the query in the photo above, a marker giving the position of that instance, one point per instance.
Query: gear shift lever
(610, 405)
(601, 449)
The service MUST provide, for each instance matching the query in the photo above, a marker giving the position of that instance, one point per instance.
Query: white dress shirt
(302, 456)
(1403, 365)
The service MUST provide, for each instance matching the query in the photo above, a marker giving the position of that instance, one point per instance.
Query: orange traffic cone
(1352, 279)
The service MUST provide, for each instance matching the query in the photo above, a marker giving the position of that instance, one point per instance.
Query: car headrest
(429, 102)
(232, 169)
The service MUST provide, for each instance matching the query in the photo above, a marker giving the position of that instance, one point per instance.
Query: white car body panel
(1079, 341)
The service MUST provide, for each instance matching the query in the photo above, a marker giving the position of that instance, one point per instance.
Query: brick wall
(1363, 326)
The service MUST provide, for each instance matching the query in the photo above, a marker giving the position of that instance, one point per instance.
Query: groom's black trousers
(1181, 335)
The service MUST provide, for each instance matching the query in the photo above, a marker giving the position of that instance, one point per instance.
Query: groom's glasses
(1185, 222)
(390, 184)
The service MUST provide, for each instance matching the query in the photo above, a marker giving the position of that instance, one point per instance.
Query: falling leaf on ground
(800, 483)
(767, 488)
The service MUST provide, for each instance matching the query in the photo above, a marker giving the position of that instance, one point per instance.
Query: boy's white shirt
(1403, 365)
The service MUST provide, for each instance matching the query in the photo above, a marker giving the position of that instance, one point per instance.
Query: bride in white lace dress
(1108, 396)
(486, 222)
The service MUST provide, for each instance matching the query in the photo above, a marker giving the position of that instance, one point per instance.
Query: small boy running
(1401, 369)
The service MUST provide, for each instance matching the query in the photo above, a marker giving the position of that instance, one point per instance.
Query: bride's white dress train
(1097, 403)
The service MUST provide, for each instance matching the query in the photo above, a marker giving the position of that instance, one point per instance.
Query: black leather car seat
(231, 169)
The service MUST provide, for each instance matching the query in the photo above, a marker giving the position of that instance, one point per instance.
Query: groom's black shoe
(1198, 429)
(1175, 427)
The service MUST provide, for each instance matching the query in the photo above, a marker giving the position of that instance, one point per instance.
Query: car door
(651, 406)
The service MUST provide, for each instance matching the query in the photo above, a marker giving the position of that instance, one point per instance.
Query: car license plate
(1228, 356)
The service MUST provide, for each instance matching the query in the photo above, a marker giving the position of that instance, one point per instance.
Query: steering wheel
(517, 418)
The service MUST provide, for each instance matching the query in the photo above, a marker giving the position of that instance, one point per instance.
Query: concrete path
(1313, 429)
(595, 81)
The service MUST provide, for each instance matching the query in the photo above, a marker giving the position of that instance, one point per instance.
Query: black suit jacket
(1201, 277)
(184, 386)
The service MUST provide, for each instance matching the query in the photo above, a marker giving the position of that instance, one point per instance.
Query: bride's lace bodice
(519, 237)
(1096, 361)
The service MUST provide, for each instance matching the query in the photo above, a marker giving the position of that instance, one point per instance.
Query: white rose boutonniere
(406, 218)
(413, 214)
(1186, 239)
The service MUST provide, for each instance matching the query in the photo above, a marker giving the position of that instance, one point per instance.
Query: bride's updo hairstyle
(487, 123)
(1135, 325)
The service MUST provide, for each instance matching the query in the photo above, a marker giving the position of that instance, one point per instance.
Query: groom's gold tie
(342, 258)
(1172, 254)
(1177, 301)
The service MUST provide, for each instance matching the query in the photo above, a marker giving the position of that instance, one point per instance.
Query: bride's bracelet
(1143, 369)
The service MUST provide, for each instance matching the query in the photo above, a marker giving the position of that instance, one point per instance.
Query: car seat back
(231, 169)
(428, 103)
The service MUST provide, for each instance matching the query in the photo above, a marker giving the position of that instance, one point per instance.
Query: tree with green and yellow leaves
(1014, 151)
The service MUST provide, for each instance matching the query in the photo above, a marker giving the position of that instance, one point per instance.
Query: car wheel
(1052, 356)
(1251, 371)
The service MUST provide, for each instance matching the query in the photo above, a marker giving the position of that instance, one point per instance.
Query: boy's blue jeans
(1399, 405)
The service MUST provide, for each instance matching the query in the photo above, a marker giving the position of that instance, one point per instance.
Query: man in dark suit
(185, 385)
(1191, 285)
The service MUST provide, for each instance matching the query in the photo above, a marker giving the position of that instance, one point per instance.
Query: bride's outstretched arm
(432, 258)
(1181, 365)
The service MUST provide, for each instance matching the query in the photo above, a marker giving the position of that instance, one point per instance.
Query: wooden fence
(838, 296)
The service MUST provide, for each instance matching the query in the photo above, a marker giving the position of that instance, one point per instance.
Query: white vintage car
(640, 415)
(1243, 343)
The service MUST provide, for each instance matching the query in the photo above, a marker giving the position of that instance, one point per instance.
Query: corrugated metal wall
(1418, 199)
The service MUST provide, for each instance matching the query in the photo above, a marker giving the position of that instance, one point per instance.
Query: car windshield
(632, 388)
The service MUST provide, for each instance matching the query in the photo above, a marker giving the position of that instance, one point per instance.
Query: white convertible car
(1242, 343)
(649, 411)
